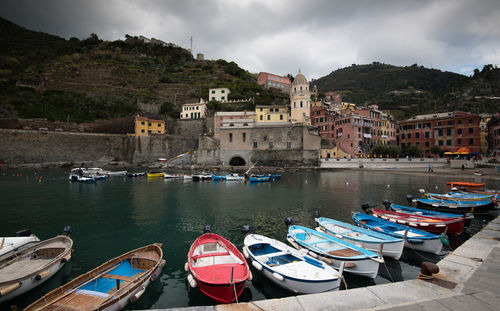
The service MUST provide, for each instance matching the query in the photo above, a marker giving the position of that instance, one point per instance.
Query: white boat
(364, 238)
(23, 239)
(23, 270)
(173, 176)
(82, 174)
(188, 177)
(115, 173)
(202, 176)
(289, 268)
(335, 251)
(234, 177)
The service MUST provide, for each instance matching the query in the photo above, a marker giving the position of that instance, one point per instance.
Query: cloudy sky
(281, 36)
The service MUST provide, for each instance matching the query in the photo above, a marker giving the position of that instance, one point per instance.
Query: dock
(468, 280)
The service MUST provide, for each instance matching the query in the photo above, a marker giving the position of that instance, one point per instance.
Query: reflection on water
(114, 216)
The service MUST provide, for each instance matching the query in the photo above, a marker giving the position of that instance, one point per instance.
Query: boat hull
(217, 292)
(289, 268)
(392, 250)
(432, 246)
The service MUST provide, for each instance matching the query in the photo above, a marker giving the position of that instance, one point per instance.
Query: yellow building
(145, 126)
(334, 153)
(316, 103)
(271, 114)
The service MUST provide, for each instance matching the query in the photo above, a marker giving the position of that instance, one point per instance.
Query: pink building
(269, 80)
(494, 135)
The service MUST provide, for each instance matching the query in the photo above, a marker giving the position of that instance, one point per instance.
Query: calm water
(115, 216)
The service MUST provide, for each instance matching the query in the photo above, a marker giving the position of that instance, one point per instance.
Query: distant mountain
(407, 91)
(46, 76)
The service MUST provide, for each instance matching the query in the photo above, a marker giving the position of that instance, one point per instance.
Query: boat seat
(91, 292)
(210, 255)
(118, 277)
(345, 252)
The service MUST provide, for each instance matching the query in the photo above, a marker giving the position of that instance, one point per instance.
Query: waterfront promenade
(468, 280)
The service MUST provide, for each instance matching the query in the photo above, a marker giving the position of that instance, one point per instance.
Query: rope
(387, 269)
(343, 280)
(422, 276)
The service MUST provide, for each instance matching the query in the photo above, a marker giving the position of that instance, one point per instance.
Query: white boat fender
(291, 241)
(115, 307)
(186, 267)
(327, 260)
(137, 294)
(42, 275)
(191, 281)
(158, 271)
(245, 253)
(278, 276)
(9, 289)
(313, 254)
(250, 275)
(257, 265)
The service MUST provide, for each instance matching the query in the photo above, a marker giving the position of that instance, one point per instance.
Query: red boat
(425, 223)
(465, 184)
(217, 267)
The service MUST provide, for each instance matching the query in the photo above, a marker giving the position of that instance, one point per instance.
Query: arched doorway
(237, 161)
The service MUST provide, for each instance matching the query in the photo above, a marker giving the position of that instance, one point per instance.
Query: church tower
(300, 100)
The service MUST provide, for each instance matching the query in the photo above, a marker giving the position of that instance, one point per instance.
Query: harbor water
(114, 216)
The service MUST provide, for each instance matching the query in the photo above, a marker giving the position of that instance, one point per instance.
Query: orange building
(146, 127)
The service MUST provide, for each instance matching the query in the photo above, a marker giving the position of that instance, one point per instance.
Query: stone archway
(237, 161)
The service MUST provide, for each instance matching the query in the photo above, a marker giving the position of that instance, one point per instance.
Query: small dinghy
(234, 177)
(336, 251)
(218, 177)
(364, 238)
(26, 269)
(424, 212)
(457, 206)
(23, 239)
(217, 267)
(111, 286)
(289, 268)
(414, 238)
(425, 223)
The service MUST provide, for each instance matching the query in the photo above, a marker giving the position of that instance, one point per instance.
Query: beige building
(193, 111)
(483, 132)
(228, 119)
(276, 114)
(219, 94)
(300, 100)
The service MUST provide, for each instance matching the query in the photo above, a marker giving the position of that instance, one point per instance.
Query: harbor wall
(31, 146)
(383, 163)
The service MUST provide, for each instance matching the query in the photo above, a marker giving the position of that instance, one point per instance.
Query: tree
(436, 150)
(414, 151)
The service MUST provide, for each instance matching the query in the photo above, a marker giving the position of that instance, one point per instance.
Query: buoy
(191, 281)
(250, 275)
(313, 254)
(186, 267)
(42, 275)
(278, 276)
(245, 253)
(306, 181)
(388, 186)
(257, 265)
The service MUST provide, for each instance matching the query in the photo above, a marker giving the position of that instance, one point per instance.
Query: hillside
(406, 91)
(46, 76)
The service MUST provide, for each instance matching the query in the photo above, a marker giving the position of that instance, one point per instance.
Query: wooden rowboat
(108, 287)
(26, 269)
(465, 184)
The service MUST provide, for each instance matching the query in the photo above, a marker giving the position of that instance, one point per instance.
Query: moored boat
(140, 174)
(173, 176)
(259, 178)
(426, 223)
(111, 286)
(23, 239)
(414, 238)
(457, 206)
(218, 177)
(26, 269)
(217, 268)
(465, 184)
(289, 268)
(364, 238)
(115, 173)
(155, 174)
(201, 176)
(424, 212)
(335, 251)
(234, 177)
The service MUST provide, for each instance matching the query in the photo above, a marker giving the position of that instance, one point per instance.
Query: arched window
(294, 104)
(300, 104)
(301, 88)
(232, 124)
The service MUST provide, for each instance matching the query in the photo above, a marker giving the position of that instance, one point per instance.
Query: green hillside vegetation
(44, 76)
(407, 91)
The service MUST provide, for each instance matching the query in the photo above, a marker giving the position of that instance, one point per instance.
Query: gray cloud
(280, 36)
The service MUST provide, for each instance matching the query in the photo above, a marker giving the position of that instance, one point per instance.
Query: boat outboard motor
(207, 229)
(409, 198)
(365, 207)
(316, 214)
(24, 232)
(67, 231)
(288, 221)
(387, 204)
(246, 229)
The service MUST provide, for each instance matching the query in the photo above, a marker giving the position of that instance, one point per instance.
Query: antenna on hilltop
(191, 49)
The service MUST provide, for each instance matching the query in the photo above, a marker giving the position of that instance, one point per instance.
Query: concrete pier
(468, 280)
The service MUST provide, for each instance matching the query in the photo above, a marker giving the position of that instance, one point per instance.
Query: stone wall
(29, 147)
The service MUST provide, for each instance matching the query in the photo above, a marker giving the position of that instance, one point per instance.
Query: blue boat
(457, 206)
(335, 251)
(367, 239)
(259, 178)
(414, 238)
(218, 177)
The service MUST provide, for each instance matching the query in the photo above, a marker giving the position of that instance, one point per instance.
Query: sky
(283, 36)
